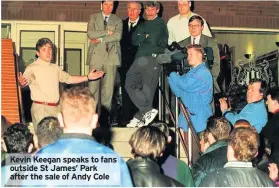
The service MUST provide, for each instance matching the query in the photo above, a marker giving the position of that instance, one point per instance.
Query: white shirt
(197, 40)
(134, 23)
(104, 16)
(179, 30)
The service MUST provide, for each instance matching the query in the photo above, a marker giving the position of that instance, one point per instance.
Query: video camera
(179, 61)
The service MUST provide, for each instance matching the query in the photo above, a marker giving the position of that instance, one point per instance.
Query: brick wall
(217, 13)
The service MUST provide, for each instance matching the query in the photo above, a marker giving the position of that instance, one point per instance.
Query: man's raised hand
(94, 75)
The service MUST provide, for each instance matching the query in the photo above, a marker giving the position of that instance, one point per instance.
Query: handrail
(20, 103)
(190, 125)
(176, 126)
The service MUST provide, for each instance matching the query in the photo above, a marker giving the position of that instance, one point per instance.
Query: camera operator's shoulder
(204, 70)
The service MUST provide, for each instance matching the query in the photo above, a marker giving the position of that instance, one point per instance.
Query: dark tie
(105, 27)
(131, 26)
(194, 40)
(105, 22)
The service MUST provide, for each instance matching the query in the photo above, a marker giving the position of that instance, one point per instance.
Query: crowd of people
(237, 149)
(227, 159)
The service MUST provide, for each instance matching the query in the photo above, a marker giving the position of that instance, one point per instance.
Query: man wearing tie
(128, 52)
(104, 31)
(178, 25)
(196, 25)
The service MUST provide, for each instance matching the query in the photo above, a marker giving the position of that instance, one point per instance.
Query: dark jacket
(237, 174)
(128, 51)
(156, 42)
(214, 158)
(146, 173)
(271, 132)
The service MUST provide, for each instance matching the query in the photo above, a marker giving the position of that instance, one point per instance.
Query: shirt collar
(197, 39)
(105, 15)
(238, 164)
(135, 22)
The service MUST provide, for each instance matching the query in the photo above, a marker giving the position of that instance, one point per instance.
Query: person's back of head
(48, 131)
(217, 129)
(18, 139)
(164, 128)
(242, 123)
(243, 144)
(78, 111)
(148, 142)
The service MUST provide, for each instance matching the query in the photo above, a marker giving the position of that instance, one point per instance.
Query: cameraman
(196, 25)
(195, 89)
(255, 111)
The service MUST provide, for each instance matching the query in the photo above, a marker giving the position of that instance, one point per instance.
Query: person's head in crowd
(241, 123)
(256, 90)
(48, 131)
(78, 111)
(216, 129)
(148, 142)
(195, 25)
(18, 139)
(151, 9)
(195, 54)
(273, 100)
(107, 7)
(243, 144)
(164, 128)
(44, 48)
(184, 7)
(134, 10)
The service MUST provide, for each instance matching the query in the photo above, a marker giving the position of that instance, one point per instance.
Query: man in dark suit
(128, 52)
(104, 31)
(196, 25)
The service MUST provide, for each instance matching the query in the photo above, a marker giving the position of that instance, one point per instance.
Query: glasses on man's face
(194, 26)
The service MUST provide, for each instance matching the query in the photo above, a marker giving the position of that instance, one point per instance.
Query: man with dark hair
(128, 53)
(43, 78)
(254, 112)
(151, 37)
(172, 166)
(48, 131)
(148, 143)
(271, 130)
(195, 89)
(4, 126)
(196, 26)
(178, 25)
(104, 53)
(214, 157)
(238, 171)
(17, 139)
(78, 118)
